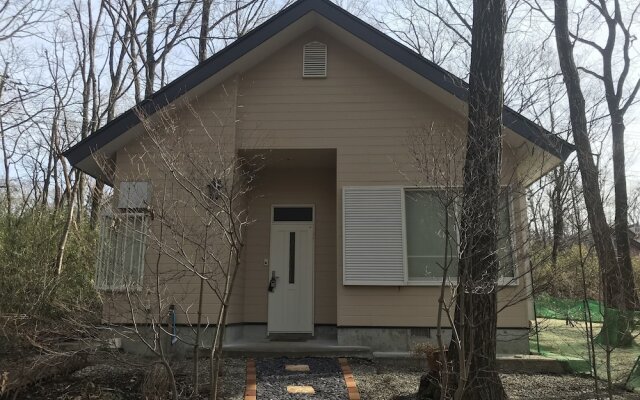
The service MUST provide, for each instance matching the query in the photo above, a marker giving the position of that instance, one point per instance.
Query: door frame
(313, 251)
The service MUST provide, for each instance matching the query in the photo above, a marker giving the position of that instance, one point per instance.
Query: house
(339, 211)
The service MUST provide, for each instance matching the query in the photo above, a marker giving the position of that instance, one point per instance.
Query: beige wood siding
(208, 123)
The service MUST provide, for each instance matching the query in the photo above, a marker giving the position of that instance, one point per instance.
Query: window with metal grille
(314, 60)
(121, 248)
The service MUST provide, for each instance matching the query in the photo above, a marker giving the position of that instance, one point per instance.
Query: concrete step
(548, 364)
(508, 363)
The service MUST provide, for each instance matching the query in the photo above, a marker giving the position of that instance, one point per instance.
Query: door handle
(273, 281)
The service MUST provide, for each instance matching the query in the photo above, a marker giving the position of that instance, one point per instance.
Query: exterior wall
(209, 123)
(370, 118)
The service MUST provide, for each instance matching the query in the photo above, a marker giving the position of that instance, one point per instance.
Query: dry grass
(559, 340)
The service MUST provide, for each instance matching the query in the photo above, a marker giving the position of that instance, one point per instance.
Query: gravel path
(377, 383)
(325, 377)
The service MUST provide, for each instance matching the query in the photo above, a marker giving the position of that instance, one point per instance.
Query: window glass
(428, 239)
(293, 214)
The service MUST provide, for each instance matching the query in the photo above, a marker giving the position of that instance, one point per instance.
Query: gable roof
(340, 17)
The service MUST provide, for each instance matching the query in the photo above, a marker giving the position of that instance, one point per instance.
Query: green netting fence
(562, 334)
(573, 309)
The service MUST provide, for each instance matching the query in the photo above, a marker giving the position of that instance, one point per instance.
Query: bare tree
(618, 103)
(213, 182)
(17, 120)
(199, 216)
(415, 25)
(229, 20)
(438, 155)
(612, 273)
(19, 18)
(86, 49)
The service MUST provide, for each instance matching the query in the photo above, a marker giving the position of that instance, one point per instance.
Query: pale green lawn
(559, 340)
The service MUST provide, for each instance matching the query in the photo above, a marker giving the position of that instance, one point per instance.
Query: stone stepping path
(300, 378)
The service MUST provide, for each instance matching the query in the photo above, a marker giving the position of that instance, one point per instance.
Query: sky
(369, 10)
(534, 27)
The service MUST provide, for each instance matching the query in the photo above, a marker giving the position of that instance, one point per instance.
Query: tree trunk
(616, 112)
(204, 31)
(476, 318)
(621, 213)
(623, 316)
(614, 298)
(557, 209)
(196, 346)
(62, 244)
(151, 11)
(475, 374)
(5, 152)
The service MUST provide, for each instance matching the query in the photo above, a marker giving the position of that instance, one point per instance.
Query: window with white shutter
(395, 236)
(314, 60)
(374, 245)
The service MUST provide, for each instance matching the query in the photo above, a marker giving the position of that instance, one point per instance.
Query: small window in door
(293, 214)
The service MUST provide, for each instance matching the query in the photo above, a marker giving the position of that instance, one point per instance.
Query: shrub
(29, 285)
(564, 280)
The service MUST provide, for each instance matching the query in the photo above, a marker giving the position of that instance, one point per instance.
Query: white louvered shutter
(373, 236)
(314, 60)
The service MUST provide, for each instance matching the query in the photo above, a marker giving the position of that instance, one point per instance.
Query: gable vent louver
(314, 60)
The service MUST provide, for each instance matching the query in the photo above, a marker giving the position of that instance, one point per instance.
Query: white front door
(291, 263)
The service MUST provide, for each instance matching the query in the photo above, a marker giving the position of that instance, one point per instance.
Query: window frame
(515, 279)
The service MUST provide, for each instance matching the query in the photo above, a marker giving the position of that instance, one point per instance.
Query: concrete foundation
(253, 337)
(510, 341)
